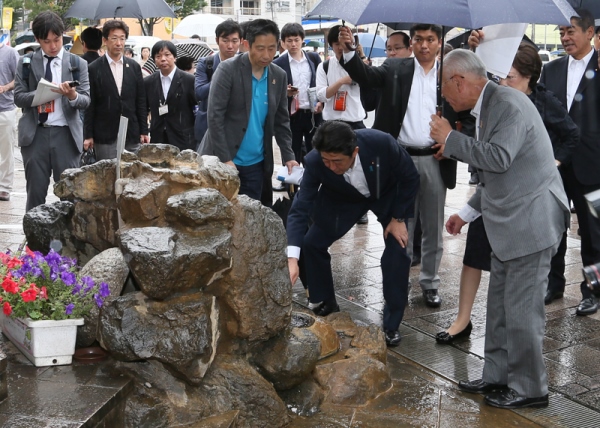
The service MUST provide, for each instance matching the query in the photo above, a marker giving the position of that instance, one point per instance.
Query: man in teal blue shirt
(247, 107)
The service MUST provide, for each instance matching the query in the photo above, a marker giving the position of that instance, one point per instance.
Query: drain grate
(562, 412)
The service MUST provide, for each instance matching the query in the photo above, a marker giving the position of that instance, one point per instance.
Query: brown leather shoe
(4, 196)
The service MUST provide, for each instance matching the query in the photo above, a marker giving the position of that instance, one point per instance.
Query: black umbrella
(140, 9)
(191, 49)
(591, 5)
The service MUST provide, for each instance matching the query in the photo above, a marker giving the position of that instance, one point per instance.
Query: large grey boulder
(91, 183)
(165, 262)
(109, 266)
(181, 332)
(47, 223)
(288, 359)
(257, 288)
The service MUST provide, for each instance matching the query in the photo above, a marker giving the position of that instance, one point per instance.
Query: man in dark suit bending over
(349, 173)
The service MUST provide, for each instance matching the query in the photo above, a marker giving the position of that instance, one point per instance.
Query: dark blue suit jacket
(313, 61)
(201, 89)
(335, 205)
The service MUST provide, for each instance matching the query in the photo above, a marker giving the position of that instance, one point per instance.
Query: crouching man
(347, 174)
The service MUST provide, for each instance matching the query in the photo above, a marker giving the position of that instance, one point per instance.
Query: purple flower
(104, 290)
(76, 289)
(69, 308)
(68, 278)
(98, 300)
(88, 282)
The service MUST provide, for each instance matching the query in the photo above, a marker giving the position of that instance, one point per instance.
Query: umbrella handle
(348, 45)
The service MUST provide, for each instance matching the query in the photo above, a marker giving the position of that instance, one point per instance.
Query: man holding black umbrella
(408, 98)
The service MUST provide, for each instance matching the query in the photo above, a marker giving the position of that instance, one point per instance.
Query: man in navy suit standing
(349, 173)
(301, 70)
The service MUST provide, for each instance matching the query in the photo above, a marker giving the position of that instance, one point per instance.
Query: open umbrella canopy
(190, 48)
(378, 45)
(202, 24)
(315, 44)
(454, 13)
(140, 9)
(591, 5)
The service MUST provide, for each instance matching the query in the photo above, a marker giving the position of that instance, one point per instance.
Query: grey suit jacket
(25, 91)
(229, 103)
(521, 195)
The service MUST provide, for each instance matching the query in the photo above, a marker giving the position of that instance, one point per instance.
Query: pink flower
(44, 293)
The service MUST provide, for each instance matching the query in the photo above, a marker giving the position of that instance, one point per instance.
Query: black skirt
(478, 252)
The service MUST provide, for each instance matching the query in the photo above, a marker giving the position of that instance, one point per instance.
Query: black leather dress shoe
(480, 387)
(326, 308)
(392, 338)
(416, 260)
(587, 306)
(432, 299)
(445, 338)
(509, 399)
(552, 295)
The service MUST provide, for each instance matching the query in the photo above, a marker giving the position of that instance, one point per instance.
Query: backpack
(210, 61)
(27, 64)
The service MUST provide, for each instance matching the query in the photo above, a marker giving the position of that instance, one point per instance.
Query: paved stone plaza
(424, 373)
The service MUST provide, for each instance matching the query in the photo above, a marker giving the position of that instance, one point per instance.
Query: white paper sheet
(498, 48)
(294, 178)
(44, 94)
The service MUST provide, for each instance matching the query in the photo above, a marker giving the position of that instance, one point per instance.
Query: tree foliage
(182, 9)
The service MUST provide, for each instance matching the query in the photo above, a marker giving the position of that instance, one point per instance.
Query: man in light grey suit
(525, 212)
(247, 106)
(50, 135)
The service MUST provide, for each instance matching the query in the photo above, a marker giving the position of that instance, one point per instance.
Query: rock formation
(209, 335)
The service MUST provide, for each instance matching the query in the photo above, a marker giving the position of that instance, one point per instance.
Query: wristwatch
(399, 220)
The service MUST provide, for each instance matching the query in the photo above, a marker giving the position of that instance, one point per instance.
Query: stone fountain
(201, 307)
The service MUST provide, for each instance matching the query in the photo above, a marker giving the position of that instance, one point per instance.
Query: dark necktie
(48, 77)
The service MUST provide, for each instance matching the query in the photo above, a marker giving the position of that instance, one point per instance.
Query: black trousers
(303, 125)
(395, 266)
(589, 226)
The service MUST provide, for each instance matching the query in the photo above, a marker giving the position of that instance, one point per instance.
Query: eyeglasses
(449, 79)
(395, 48)
(117, 39)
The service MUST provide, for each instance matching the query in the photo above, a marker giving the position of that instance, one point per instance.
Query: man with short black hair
(228, 37)
(117, 89)
(398, 45)
(248, 107)
(91, 41)
(300, 68)
(349, 173)
(50, 135)
(171, 100)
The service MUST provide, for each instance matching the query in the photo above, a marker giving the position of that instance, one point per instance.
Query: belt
(45, 125)
(304, 110)
(420, 151)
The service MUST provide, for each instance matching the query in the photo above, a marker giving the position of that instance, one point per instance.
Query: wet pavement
(425, 374)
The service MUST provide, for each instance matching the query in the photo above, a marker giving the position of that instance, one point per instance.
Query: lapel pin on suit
(127, 65)
(273, 82)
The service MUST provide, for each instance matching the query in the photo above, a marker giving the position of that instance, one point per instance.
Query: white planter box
(44, 343)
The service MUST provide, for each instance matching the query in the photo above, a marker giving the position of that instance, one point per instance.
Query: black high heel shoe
(444, 338)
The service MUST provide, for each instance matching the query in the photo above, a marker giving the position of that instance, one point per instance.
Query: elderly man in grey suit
(50, 135)
(247, 106)
(525, 212)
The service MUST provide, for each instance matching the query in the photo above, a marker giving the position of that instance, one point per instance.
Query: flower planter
(44, 343)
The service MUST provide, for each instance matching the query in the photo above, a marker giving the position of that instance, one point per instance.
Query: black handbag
(88, 157)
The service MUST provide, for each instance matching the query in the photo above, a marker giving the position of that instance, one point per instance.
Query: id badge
(46, 108)
(162, 110)
(339, 102)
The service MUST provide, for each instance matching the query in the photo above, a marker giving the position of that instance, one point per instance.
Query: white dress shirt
(301, 77)
(574, 74)
(117, 70)
(57, 118)
(166, 82)
(421, 105)
(355, 176)
(354, 110)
